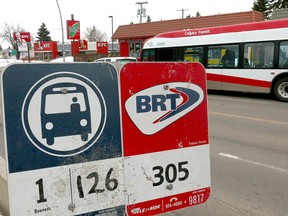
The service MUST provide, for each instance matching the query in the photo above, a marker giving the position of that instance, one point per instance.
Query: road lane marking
(239, 100)
(249, 118)
(253, 162)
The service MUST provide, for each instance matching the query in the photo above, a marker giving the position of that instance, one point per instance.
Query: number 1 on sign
(41, 191)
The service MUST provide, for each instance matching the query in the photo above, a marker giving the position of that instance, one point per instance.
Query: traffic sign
(63, 139)
(165, 136)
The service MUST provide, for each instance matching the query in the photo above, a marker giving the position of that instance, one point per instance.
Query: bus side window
(246, 63)
(166, 54)
(193, 54)
(148, 55)
(214, 56)
(228, 59)
(260, 55)
(223, 56)
(283, 54)
(231, 56)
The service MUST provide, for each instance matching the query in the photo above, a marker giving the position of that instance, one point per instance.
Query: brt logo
(145, 103)
(157, 107)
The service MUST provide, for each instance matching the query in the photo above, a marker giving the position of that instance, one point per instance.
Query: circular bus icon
(64, 114)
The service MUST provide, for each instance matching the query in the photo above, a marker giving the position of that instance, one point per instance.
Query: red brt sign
(165, 136)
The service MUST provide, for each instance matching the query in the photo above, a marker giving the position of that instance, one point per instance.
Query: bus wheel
(281, 89)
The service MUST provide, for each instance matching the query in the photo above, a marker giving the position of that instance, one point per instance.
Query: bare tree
(7, 35)
(93, 35)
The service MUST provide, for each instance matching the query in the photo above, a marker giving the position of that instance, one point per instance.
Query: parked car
(121, 60)
(67, 59)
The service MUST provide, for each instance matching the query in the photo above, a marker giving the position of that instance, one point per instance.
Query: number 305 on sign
(168, 180)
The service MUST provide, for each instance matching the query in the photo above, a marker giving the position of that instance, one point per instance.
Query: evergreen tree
(43, 33)
(279, 4)
(148, 18)
(262, 6)
(268, 6)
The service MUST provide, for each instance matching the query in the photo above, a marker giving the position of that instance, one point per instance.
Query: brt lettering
(146, 103)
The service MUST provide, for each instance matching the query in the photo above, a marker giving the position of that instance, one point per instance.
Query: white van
(122, 60)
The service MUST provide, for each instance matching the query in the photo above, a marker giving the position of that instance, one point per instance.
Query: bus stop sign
(165, 136)
(63, 139)
(68, 152)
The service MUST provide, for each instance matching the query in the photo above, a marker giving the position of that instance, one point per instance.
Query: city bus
(250, 57)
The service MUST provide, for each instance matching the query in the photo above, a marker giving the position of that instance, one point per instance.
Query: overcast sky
(30, 14)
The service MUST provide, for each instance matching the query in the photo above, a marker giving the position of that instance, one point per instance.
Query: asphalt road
(249, 157)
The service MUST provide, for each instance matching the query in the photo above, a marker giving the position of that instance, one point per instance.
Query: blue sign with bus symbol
(69, 110)
(76, 108)
(60, 114)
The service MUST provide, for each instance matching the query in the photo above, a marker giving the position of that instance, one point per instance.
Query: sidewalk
(3, 187)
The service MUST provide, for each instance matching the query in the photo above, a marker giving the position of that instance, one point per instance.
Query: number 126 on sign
(80, 188)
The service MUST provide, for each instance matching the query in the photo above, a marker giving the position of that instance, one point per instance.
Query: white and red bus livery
(250, 57)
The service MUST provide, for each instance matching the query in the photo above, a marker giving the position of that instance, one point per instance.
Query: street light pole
(112, 32)
(63, 49)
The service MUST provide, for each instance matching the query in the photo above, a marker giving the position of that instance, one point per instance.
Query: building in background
(280, 14)
(131, 37)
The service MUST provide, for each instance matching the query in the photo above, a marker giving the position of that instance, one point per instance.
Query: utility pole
(182, 12)
(142, 11)
(112, 33)
(63, 49)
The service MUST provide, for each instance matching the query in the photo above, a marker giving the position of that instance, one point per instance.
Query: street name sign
(165, 136)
